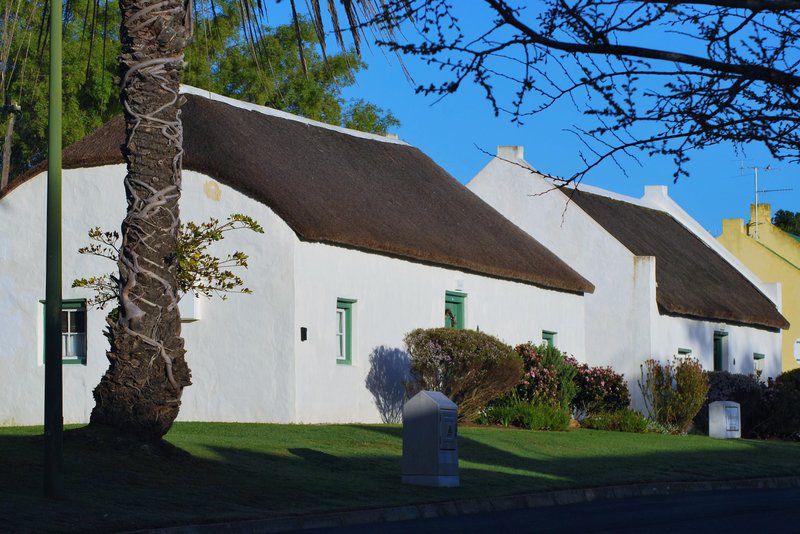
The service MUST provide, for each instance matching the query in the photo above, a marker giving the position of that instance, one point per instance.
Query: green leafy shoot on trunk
(199, 270)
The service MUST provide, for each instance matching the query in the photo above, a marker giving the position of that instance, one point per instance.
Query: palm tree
(140, 392)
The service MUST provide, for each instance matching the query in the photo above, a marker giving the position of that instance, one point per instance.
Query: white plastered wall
(393, 297)
(613, 310)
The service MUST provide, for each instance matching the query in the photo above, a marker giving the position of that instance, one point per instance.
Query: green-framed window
(73, 331)
(720, 348)
(758, 361)
(454, 310)
(684, 352)
(549, 337)
(344, 331)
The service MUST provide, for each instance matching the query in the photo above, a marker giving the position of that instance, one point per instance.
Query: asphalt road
(750, 511)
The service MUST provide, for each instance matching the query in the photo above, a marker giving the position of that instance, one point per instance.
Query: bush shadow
(389, 371)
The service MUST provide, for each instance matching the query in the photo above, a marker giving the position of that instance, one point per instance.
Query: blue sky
(454, 130)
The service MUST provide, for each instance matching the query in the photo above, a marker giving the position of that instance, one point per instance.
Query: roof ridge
(265, 110)
(777, 254)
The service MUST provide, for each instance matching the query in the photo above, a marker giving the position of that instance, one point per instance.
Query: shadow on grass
(250, 471)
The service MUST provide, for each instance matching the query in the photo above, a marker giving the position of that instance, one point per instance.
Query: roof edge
(204, 93)
(664, 310)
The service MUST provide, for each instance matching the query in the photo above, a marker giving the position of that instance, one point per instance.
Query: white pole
(756, 178)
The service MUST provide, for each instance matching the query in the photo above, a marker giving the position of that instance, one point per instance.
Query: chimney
(763, 216)
(511, 152)
(656, 192)
(732, 226)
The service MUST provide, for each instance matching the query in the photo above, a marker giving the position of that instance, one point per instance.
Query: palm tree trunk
(141, 391)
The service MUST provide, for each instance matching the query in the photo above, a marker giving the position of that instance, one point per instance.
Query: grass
(240, 471)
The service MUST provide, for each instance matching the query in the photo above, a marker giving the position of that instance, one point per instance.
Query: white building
(665, 286)
(366, 239)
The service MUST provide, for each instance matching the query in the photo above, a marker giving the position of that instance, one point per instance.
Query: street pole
(53, 408)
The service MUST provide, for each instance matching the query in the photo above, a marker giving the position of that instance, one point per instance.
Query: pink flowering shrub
(548, 378)
(599, 389)
(551, 377)
(472, 368)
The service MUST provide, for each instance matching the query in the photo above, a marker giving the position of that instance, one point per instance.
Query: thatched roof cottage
(664, 285)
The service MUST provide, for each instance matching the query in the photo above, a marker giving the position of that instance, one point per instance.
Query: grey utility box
(724, 420)
(430, 433)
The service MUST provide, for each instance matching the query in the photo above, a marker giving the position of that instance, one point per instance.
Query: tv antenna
(756, 190)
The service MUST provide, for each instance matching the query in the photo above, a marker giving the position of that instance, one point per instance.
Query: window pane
(79, 321)
(340, 331)
(80, 346)
(64, 321)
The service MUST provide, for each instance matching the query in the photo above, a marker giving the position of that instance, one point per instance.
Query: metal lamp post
(53, 408)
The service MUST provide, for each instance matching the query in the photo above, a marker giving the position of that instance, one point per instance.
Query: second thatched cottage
(665, 286)
(366, 239)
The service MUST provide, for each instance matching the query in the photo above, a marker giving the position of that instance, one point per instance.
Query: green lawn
(242, 471)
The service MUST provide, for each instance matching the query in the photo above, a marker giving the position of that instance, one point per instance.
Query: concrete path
(751, 511)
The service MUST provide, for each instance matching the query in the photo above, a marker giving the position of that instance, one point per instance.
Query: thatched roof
(347, 189)
(693, 280)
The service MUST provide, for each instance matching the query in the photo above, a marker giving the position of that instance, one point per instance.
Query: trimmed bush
(472, 368)
(747, 390)
(673, 392)
(598, 390)
(528, 416)
(625, 420)
(548, 376)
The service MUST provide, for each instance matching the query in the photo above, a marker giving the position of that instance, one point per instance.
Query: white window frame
(68, 336)
(341, 334)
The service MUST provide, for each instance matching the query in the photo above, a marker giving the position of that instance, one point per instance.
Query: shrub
(542, 417)
(673, 392)
(598, 389)
(504, 414)
(625, 420)
(783, 405)
(548, 376)
(470, 367)
(529, 416)
(747, 390)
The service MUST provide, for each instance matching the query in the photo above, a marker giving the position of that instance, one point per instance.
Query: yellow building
(774, 256)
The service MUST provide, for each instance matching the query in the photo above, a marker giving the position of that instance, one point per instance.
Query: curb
(473, 506)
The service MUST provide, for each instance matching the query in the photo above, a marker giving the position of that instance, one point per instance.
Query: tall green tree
(89, 64)
(220, 60)
(788, 221)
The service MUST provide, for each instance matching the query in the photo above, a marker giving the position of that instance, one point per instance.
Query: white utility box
(430, 435)
(724, 420)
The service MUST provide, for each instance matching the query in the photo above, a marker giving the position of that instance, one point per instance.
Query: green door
(454, 310)
(718, 352)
